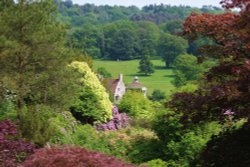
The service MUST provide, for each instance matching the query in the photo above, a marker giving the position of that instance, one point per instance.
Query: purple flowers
(119, 121)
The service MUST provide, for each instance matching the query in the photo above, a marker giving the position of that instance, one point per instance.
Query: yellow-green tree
(93, 103)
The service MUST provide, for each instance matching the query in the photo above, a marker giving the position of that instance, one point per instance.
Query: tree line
(126, 33)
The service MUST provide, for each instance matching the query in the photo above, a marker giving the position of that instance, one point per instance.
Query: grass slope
(161, 79)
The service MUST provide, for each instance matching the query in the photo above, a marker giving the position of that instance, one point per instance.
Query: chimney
(136, 79)
(120, 77)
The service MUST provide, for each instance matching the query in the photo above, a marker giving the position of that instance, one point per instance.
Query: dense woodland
(55, 111)
(124, 33)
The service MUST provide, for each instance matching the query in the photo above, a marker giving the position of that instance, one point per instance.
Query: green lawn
(161, 79)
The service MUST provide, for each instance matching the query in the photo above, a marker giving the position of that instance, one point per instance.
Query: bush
(67, 156)
(181, 144)
(42, 125)
(229, 149)
(37, 124)
(136, 105)
(158, 95)
(93, 104)
(157, 163)
(12, 149)
(7, 110)
(103, 72)
(186, 69)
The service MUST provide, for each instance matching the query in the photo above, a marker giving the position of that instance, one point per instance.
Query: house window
(116, 98)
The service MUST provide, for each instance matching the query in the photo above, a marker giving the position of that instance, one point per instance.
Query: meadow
(160, 79)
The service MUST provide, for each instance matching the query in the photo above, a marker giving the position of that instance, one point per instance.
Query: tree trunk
(167, 64)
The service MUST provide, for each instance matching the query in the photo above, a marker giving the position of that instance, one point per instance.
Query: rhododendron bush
(119, 120)
(66, 156)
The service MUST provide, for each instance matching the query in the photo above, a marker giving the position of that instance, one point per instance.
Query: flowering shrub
(119, 120)
(12, 150)
(67, 156)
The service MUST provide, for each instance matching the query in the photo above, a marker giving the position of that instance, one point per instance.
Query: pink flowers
(229, 112)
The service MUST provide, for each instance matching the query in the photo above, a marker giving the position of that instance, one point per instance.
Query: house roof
(135, 84)
(111, 84)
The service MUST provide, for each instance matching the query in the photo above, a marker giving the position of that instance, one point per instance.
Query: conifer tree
(33, 59)
(146, 66)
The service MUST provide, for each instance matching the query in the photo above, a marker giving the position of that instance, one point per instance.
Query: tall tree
(33, 59)
(226, 86)
(186, 69)
(124, 45)
(170, 46)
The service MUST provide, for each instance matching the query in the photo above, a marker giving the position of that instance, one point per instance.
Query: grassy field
(161, 79)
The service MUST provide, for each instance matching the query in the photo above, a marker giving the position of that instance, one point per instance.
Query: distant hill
(77, 15)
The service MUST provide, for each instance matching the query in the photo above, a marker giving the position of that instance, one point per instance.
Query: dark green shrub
(7, 110)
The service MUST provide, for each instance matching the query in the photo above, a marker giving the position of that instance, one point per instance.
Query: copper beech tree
(227, 85)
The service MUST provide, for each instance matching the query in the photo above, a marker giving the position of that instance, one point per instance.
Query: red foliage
(12, 150)
(227, 85)
(67, 156)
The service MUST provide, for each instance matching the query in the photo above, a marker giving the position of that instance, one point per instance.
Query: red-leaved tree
(68, 156)
(227, 86)
(12, 149)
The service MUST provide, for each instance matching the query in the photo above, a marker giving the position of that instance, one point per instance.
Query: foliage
(86, 39)
(93, 104)
(42, 125)
(226, 85)
(85, 136)
(181, 145)
(173, 26)
(170, 46)
(72, 156)
(144, 146)
(146, 66)
(95, 30)
(157, 163)
(190, 87)
(121, 41)
(158, 95)
(136, 145)
(12, 149)
(136, 105)
(229, 149)
(7, 110)
(191, 144)
(187, 70)
(196, 45)
(167, 126)
(37, 124)
(148, 34)
(33, 59)
(79, 15)
(103, 72)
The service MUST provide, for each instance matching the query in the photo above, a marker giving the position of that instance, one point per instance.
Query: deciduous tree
(227, 85)
(170, 46)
